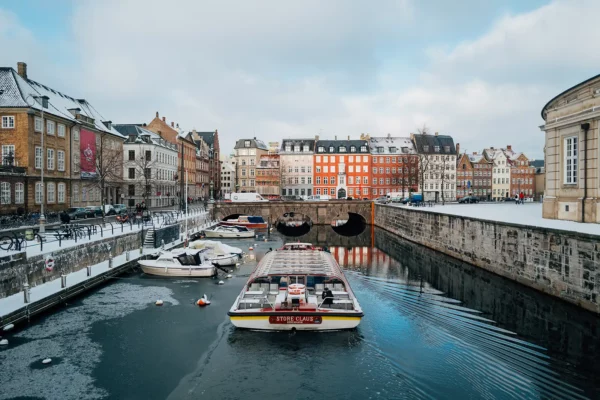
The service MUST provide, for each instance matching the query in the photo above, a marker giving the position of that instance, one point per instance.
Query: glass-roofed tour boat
(297, 287)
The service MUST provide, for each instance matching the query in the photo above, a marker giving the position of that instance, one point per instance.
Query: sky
(478, 71)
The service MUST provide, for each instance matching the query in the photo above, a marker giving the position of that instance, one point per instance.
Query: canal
(434, 328)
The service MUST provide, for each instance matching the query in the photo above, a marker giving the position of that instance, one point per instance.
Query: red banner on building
(87, 143)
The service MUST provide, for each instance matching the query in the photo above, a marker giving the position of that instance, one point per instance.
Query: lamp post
(43, 101)
(212, 186)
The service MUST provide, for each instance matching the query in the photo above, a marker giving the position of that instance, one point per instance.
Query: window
(19, 193)
(305, 148)
(246, 143)
(39, 192)
(387, 170)
(333, 168)
(297, 148)
(332, 180)
(350, 180)
(131, 155)
(374, 181)
(374, 160)
(148, 155)
(331, 149)
(50, 165)
(38, 158)
(75, 190)
(50, 126)
(318, 180)
(318, 169)
(326, 169)
(321, 149)
(381, 170)
(61, 193)
(131, 173)
(318, 191)
(8, 122)
(365, 180)
(325, 180)
(332, 158)
(309, 169)
(342, 149)
(38, 124)
(365, 168)
(374, 191)
(309, 180)
(61, 130)
(60, 157)
(8, 150)
(4, 193)
(570, 160)
(352, 149)
(351, 168)
(363, 149)
(325, 159)
(350, 191)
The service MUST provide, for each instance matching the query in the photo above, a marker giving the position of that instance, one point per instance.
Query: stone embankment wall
(17, 269)
(561, 263)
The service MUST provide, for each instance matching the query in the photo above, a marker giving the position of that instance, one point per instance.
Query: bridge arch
(349, 224)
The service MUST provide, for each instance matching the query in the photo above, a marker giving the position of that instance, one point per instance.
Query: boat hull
(228, 235)
(257, 225)
(176, 272)
(224, 261)
(263, 322)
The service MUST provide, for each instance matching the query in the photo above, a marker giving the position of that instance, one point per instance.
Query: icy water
(434, 328)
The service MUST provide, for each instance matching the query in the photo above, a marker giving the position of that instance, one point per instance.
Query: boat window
(187, 259)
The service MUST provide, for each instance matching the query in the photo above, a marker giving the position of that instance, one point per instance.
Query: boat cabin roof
(298, 262)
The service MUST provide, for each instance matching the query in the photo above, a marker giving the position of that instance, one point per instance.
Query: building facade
(247, 156)
(332, 162)
(149, 167)
(227, 176)
(571, 126)
(81, 155)
(268, 182)
(296, 159)
(501, 176)
(214, 165)
(522, 175)
(474, 176)
(437, 166)
(394, 166)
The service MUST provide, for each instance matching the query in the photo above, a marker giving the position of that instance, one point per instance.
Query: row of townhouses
(59, 151)
(370, 167)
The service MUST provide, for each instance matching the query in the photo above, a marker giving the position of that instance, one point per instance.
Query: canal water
(434, 328)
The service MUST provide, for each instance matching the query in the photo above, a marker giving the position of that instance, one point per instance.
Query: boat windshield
(256, 219)
(189, 259)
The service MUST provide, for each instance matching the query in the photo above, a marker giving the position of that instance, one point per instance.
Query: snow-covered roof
(391, 145)
(19, 92)
(129, 130)
(493, 153)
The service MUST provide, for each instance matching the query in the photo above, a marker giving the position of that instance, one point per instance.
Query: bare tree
(145, 174)
(424, 130)
(424, 169)
(444, 175)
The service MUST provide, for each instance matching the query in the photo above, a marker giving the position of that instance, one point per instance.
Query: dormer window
(246, 143)
(321, 149)
(425, 148)
(288, 147)
(446, 149)
(363, 149)
(305, 148)
(436, 149)
(380, 149)
(342, 149)
(297, 148)
(352, 149)
(392, 149)
(331, 149)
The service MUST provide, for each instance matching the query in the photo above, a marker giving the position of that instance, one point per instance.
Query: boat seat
(246, 304)
(343, 305)
(338, 287)
(264, 287)
(319, 287)
(255, 286)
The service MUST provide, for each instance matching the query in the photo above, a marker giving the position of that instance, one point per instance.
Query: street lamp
(43, 101)
(212, 186)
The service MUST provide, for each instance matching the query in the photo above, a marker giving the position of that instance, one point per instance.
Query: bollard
(26, 293)
(110, 260)
(141, 249)
(89, 270)
(163, 244)
(127, 255)
(63, 281)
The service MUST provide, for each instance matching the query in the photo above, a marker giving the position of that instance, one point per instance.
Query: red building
(394, 166)
(341, 168)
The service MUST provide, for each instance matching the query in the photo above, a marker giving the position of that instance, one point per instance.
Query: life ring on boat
(296, 289)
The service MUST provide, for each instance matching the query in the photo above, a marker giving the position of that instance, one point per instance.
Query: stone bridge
(319, 212)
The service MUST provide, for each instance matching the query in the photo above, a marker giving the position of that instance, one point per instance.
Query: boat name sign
(295, 319)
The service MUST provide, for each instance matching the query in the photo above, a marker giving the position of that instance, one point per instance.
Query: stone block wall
(561, 263)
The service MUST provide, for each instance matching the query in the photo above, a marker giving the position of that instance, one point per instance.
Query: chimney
(172, 124)
(348, 137)
(436, 134)
(316, 138)
(164, 119)
(157, 114)
(22, 70)
(254, 137)
(457, 147)
(509, 147)
(177, 126)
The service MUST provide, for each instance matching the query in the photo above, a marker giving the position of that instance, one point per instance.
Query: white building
(296, 161)
(150, 167)
(500, 173)
(437, 166)
(227, 176)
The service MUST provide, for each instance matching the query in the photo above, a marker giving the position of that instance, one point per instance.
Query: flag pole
(186, 207)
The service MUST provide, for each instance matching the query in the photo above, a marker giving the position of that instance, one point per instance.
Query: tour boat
(218, 253)
(229, 232)
(285, 292)
(180, 263)
(255, 222)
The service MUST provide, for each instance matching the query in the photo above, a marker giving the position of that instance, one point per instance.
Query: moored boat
(229, 232)
(180, 263)
(218, 253)
(297, 287)
(249, 221)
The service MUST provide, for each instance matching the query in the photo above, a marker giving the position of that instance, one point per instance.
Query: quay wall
(18, 269)
(561, 263)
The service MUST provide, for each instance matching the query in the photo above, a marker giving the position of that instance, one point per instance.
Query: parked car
(468, 200)
(93, 211)
(76, 212)
(120, 209)
(509, 199)
(349, 198)
(292, 198)
(382, 199)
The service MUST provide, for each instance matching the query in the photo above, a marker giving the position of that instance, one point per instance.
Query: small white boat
(297, 287)
(180, 263)
(218, 253)
(229, 232)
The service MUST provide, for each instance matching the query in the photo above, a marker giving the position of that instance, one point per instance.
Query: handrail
(332, 298)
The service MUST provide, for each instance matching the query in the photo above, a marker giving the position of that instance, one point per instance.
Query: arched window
(4, 193)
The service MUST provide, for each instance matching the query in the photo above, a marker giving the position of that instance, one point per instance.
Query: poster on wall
(87, 142)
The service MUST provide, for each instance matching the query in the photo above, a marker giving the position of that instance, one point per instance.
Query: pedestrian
(521, 197)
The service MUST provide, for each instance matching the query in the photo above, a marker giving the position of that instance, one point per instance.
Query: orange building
(341, 168)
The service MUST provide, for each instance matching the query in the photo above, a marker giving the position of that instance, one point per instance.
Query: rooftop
(426, 144)
(392, 145)
(342, 146)
(303, 262)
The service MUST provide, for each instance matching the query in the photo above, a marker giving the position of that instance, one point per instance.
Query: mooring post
(127, 255)
(26, 293)
(63, 281)
(162, 244)
(110, 260)
(89, 270)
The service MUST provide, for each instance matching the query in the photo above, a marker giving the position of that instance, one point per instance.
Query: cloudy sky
(479, 71)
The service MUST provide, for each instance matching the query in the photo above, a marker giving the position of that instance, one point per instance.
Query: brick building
(522, 175)
(81, 154)
(268, 182)
(214, 165)
(394, 165)
(474, 176)
(341, 168)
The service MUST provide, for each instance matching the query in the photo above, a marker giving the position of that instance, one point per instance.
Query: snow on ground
(528, 214)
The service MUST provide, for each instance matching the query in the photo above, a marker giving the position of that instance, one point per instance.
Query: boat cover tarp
(215, 247)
